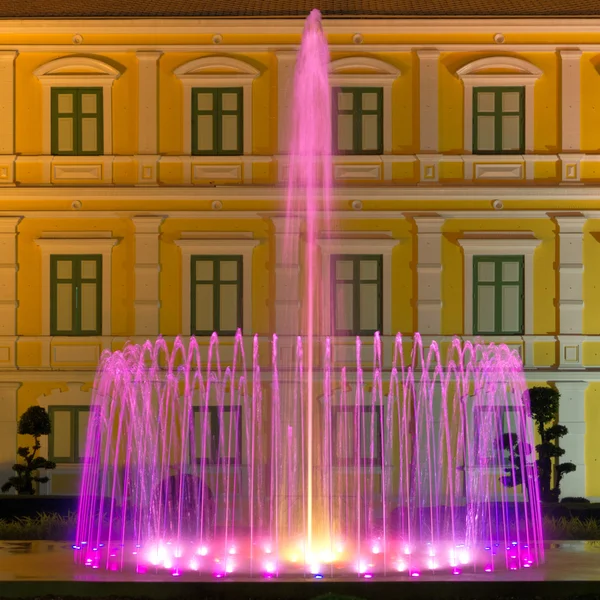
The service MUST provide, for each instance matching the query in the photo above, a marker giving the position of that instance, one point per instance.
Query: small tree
(544, 403)
(35, 422)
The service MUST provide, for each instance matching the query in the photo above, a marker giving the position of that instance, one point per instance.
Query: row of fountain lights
(169, 557)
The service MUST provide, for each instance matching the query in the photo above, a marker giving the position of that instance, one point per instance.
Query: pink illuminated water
(302, 454)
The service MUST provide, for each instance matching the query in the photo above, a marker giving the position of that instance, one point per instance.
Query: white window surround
(476, 74)
(361, 71)
(192, 244)
(78, 243)
(510, 244)
(211, 72)
(380, 244)
(75, 71)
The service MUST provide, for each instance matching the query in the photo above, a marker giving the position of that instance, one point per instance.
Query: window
(491, 424)
(358, 120)
(76, 121)
(217, 127)
(217, 435)
(498, 294)
(356, 294)
(216, 295)
(67, 441)
(75, 295)
(498, 120)
(357, 435)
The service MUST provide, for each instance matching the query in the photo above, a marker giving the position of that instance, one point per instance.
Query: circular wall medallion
(499, 38)
(357, 38)
(217, 205)
(217, 38)
(77, 39)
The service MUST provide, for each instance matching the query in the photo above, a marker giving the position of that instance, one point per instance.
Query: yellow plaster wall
(592, 440)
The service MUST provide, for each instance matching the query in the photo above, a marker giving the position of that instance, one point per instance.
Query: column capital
(428, 54)
(148, 223)
(571, 386)
(8, 55)
(9, 224)
(286, 55)
(570, 223)
(429, 224)
(148, 54)
(10, 385)
(571, 54)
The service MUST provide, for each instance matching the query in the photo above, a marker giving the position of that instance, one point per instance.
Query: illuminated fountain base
(423, 467)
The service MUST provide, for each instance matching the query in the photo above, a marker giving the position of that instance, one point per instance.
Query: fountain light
(229, 566)
(203, 551)
(194, 566)
(376, 549)
(415, 574)
(401, 566)
(456, 571)
(270, 568)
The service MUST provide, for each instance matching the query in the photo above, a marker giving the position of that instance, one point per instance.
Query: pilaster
(8, 428)
(8, 290)
(571, 100)
(147, 274)
(429, 274)
(147, 158)
(570, 298)
(7, 117)
(287, 285)
(286, 63)
(428, 99)
(571, 413)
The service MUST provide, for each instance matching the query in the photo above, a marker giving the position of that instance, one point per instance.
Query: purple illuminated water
(313, 458)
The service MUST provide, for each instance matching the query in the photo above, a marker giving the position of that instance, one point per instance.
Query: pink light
(203, 551)
(368, 576)
(456, 571)
(415, 574)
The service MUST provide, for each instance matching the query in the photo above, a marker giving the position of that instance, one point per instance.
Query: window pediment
(502, 67)
(216, 67)
(73, 67)
(367, 71)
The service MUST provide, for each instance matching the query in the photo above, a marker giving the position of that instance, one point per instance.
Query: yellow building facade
(141, 157)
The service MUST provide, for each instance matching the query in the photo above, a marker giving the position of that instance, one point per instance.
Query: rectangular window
(216, 295)
(217, 121)
(498, 120)
(75, 295)
(76, 121)
(358, 121)
(357, 435)
(498, 295)
(356, 294)
(491, 423)
(67, 441)
(217, 435)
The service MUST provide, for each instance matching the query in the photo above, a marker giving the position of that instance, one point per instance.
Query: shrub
(42, 527)
(35, 422)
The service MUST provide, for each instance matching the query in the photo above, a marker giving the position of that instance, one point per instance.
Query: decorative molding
(571, 100)
(77, 71)
(376, 243)
(78, 243)
(498, 244)
(198, 244)
(570, 273)
(148, 101)
(429, 167)
(429, 274)
(216, 71)
(147, 274)
(360, 71)
(429, 64)
(571, 168)
(476, 73)
(7, 111)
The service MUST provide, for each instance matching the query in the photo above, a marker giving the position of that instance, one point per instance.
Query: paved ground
(53, 561)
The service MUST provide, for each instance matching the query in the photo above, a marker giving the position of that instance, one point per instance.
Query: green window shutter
(357, 436)
(498, 295)
(217, 121)
(76, 295)
(358, 120)
(357, 300)
(498, 120)
(77, 121)
(216, 295)
(68, 437)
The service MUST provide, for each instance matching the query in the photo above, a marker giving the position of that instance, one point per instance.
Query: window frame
(76, 280)
(214, 413)
(74, 411)
(360, 461)
(498, 114)
(76, 92)
(357, 114)
(356, 259)
(216, 259)
(498, 260)
(501, 411)
(217, 112)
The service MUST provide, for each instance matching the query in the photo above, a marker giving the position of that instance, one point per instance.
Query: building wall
(149, 192)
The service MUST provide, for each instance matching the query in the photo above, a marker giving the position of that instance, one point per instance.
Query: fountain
(296, 466)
